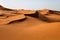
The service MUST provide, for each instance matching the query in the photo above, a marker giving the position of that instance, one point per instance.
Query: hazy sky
(31, 4)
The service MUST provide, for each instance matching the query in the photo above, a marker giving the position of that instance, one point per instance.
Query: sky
(31, 4)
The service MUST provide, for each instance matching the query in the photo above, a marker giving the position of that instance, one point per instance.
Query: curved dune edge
(50, 18)
(49, 15)
(12, 18)
(45, 15)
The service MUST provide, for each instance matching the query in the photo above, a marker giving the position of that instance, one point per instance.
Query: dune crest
(51, 15)
(37, 25)
(9, 15)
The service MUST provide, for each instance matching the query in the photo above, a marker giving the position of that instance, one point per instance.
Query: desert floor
(30, 29)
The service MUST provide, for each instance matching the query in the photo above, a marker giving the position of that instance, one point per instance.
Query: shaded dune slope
(43, 15)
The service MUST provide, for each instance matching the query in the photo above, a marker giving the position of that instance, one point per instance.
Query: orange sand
(31, 28)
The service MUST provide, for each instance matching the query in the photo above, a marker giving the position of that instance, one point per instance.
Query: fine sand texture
(29, 24)
(30, 29)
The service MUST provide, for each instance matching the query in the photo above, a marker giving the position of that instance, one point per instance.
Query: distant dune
(29, 24)
(26, 11)
(51, 15)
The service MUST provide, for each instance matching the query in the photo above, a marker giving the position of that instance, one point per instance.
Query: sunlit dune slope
(47, 31)
(26, 11)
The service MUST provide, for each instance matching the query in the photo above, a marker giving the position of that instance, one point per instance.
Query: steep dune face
(50, 15)
(12, 18)
(7, 18)
(9, 15)
(45, 15)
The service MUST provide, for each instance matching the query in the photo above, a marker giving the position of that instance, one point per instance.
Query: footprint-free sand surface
(30, 29)
(32, 25)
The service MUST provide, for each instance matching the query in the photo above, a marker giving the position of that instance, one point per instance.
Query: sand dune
(45, 31)
(26, 11)
(50, 15)
(44, 11)
(10, 15)
(29, 24)
(3, 8)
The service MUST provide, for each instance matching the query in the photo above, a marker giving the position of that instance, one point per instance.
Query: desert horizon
(23, 24)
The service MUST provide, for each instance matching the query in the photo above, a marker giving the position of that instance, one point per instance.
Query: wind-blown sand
(30, 29)
(45, 31)
(34, 27)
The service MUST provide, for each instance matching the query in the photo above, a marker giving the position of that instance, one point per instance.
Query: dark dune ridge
(43, 15)
(10, 15)
(3, 8)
